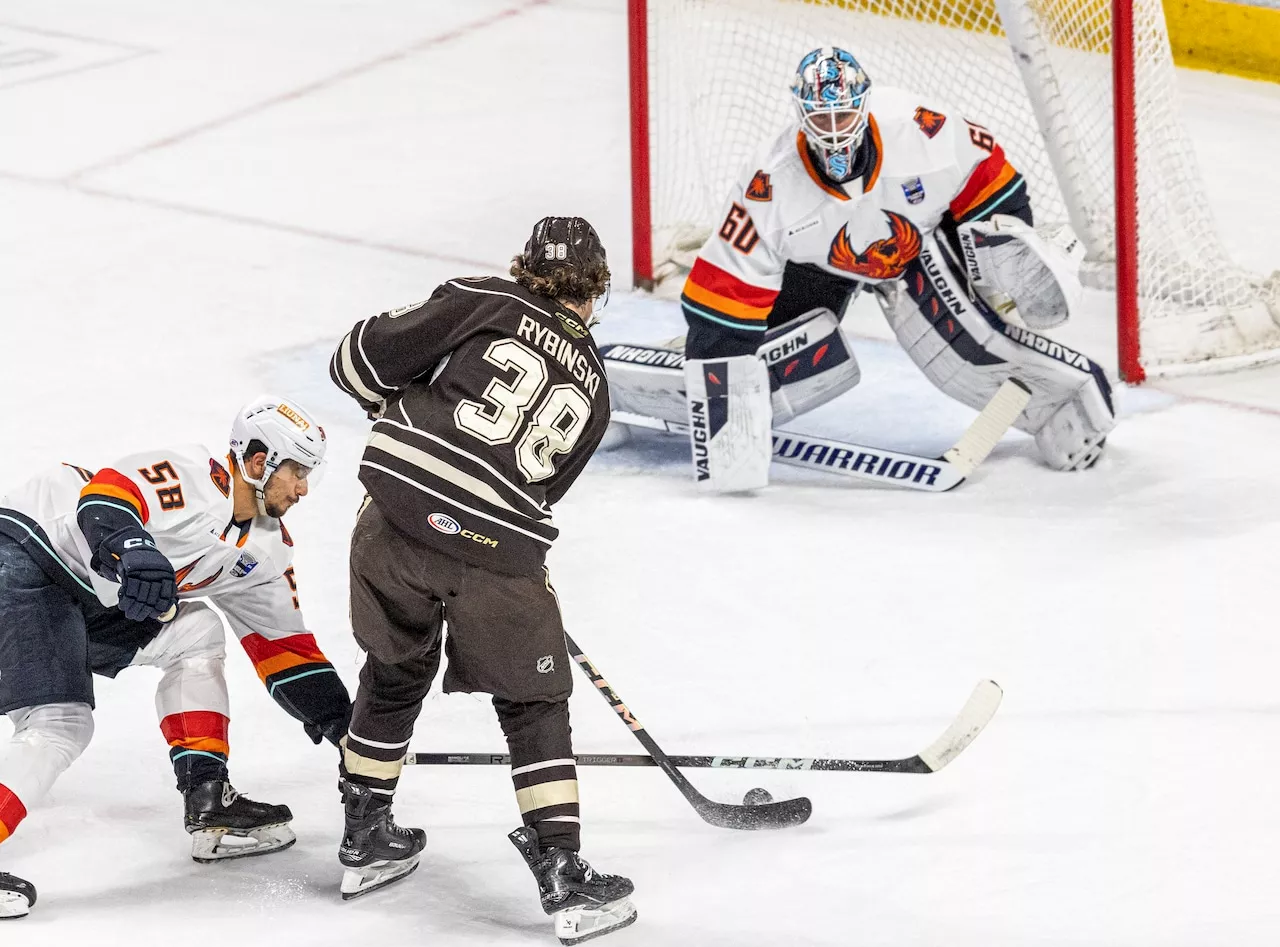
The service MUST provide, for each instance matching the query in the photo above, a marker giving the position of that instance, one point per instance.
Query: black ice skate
(582, 902)
(16, 897)
(375, 851)
(224, 824)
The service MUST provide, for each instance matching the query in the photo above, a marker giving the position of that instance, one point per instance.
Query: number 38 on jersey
(542, 423)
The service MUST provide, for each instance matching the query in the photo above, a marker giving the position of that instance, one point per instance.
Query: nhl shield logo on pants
(546, 664)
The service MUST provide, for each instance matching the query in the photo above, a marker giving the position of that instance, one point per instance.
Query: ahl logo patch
(913, 190)
(546, 664)
(244, 565)
(444, 523)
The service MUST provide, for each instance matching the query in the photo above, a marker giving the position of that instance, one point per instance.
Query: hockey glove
(332, 730)
(147, 587)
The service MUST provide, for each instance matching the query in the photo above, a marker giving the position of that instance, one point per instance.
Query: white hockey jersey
(926, 164)
(183, 498)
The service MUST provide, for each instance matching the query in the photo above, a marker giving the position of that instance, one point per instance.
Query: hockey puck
(757, 797)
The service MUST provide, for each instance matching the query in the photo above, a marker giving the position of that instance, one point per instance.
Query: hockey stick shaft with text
(963, 730)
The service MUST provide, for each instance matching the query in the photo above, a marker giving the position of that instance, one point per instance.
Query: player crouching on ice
(88, 584)
(489, 400)
(920, 207)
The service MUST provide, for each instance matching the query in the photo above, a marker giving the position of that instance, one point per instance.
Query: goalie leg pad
(810, 362)
(729, 422)
(967, 351)
(647, 380)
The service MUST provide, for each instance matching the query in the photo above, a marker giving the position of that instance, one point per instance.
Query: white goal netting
(718, 77)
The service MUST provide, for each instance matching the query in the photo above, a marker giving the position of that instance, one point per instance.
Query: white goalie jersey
(926, 165)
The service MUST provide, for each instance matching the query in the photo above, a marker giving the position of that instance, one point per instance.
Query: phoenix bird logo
(882, 259)
(180, 577)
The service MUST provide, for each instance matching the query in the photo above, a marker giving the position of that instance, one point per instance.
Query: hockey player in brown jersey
(489, 398)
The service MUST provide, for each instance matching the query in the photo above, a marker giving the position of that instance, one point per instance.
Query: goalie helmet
(831, 91)
(285, 430)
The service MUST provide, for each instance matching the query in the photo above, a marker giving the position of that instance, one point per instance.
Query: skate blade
(215, 845)
(13, 905)
(575, 925)
(360, 881)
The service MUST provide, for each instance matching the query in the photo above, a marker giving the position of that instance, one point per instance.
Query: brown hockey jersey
(489, 402)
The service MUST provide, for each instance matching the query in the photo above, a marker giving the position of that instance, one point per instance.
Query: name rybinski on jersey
(562, 350)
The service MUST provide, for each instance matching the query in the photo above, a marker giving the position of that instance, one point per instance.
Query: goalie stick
(896, 468)
(963, 730)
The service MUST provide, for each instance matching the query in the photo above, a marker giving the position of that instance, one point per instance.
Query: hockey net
(718, 72)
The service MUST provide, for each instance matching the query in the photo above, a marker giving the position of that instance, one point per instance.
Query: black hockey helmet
(564, 259)
(568, 242)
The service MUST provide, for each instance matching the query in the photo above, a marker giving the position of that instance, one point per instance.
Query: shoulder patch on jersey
(760, 188)
(397, 313)
(913, 191)
(244, 565)
(930, 122)
(220, 476)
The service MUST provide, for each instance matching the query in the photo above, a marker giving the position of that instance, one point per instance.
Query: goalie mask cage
(709, 82)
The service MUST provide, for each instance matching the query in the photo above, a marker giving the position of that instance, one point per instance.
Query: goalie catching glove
(1030, 278)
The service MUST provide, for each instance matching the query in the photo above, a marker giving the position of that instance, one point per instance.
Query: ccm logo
(447, 524)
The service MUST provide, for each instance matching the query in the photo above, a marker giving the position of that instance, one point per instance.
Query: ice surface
(197, 200)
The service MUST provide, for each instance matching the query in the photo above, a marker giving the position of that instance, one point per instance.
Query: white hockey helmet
(286, 431)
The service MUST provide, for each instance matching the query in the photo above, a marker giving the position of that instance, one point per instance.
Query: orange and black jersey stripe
(994, 187)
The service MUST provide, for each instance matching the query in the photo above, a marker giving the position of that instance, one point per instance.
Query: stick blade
(973, 717)
(773, 815)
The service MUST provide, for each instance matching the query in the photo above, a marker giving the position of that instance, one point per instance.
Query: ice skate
(582, 902)
(224, 824)
(375, 851)
(16, 897)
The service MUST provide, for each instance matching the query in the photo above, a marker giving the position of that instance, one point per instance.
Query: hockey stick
(963, 730)
(896, 468)
(773, 815)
